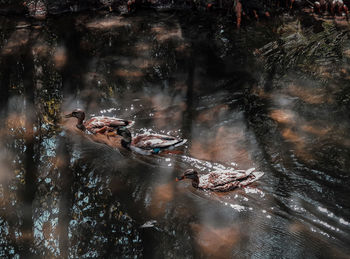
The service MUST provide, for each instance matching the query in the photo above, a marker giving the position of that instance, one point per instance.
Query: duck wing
(111, 123)
(151, 141)
(116, 123)
(250, 178)
(220, 178)
(217, 181)
(223, 177)
(241, 174)
(226, 187)
(254, 176)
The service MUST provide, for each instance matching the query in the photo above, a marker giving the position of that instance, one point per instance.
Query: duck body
(148, 144)
(98, 124)
(222, 181)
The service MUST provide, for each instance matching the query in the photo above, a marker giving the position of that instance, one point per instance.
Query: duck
(98, 124)
(221, 181)
(148, 144)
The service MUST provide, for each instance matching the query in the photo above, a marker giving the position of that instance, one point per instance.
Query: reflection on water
(217, 242)
(66, 194)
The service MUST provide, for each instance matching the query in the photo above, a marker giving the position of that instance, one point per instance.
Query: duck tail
(258, 175)
(129, 124)
(249, 171)
(253, 176)
(180, 143)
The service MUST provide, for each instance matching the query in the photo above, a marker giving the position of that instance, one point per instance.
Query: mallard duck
(98, 124)
(221, 181)
(148, 144)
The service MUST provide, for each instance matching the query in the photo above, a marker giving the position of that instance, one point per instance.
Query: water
(239, 104)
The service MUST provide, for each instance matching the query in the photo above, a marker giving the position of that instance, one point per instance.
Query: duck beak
(68, 115)
(179, 178)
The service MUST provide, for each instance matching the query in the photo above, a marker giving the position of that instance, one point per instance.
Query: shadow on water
(242, 99)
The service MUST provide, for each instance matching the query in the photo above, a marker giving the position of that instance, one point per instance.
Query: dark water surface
(274, 96)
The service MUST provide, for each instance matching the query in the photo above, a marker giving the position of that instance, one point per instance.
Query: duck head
(188, 174)
(80, 115)
(126, 135)
(77, 113)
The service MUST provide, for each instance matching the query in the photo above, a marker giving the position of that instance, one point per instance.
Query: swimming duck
(98, 124)
(148, 144)
(221, 181)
